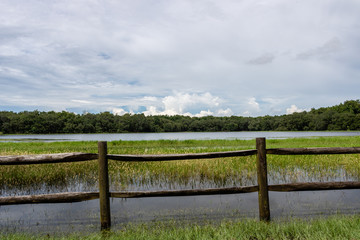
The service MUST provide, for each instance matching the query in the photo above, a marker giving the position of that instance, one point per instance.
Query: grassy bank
(194, 173)
(336, 227)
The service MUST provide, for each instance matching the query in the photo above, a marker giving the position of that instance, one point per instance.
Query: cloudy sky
(197, 58)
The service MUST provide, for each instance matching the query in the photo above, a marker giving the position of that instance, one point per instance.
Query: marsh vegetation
(222, 172)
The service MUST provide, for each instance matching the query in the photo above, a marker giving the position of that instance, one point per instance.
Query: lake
(171, 136)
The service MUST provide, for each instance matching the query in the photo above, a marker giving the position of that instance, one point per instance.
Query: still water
(171, 136)
(84, 216)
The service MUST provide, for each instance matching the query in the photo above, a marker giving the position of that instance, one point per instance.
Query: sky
(194, 58)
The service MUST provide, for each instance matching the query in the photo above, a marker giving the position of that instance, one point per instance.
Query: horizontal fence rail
(67, 197)
(173, 157)
(313, 151)
(47, 158)
(104, 195)
(79, 157)
(86, 196)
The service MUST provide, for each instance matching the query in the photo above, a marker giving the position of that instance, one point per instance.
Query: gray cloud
(263, 59)
(108, 55)
(330, 47)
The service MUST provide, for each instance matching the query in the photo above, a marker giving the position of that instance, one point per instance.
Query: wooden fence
(104, 195)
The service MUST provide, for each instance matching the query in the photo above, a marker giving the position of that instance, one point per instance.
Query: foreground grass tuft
(336, 227)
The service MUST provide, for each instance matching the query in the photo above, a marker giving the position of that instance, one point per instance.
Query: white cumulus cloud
(293, 109)
(204, 113)
(225, 112)
(253, 107)
(119, 111)
(187, 104)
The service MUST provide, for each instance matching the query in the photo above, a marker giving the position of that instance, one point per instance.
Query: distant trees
(345, 116)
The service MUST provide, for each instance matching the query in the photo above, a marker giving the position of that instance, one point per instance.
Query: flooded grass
(222, 172)
(205, 173)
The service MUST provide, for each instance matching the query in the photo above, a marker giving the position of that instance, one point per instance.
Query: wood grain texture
(172, 157)
(47, 158)
(191, 192)
(313, 151)
(261, 166)
(314, 186)
(104, 195)
(67, 197)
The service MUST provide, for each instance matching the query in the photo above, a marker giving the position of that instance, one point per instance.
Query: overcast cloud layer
(196, 58)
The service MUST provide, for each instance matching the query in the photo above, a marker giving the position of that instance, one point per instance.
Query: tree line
(345, 116)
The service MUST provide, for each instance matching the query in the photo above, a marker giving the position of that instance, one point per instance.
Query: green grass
(221, 172)
(336, 227)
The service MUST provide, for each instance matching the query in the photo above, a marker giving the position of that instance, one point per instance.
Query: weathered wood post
(104, 195)
(264, 208)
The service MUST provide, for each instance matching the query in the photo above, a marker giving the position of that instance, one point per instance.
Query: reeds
(222, 172)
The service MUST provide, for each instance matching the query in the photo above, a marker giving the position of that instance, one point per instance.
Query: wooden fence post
(264, 208)
(104, 195)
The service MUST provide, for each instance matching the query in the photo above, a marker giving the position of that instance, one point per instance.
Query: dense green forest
(345, 116)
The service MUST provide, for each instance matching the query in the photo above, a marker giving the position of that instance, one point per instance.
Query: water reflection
(84, 216)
